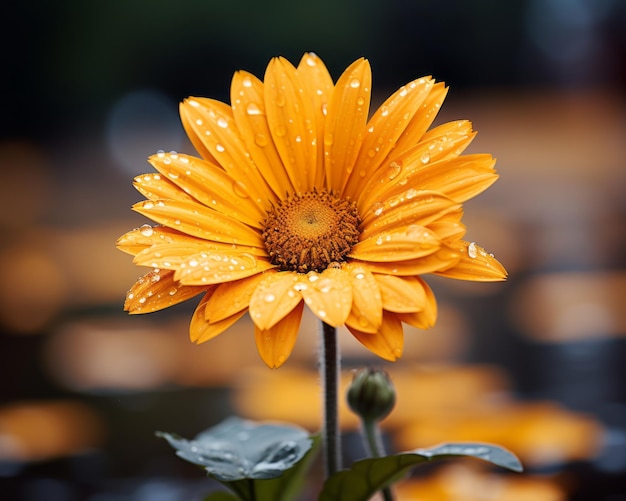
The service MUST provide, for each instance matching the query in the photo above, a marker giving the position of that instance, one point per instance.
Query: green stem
(329, 372)
(374, 446)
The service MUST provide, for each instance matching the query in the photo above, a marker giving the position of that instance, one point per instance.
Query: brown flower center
(309, 231)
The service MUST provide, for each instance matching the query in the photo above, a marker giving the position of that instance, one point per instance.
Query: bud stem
(329, 372)
(374, 446)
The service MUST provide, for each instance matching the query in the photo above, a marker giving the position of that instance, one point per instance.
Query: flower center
(309, 231)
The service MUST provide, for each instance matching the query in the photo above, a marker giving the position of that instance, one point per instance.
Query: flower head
(300, 197)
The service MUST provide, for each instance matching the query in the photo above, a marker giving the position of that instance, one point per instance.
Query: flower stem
(374, 446)
(329, 372)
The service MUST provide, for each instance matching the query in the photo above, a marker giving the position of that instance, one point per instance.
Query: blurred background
(536, 364)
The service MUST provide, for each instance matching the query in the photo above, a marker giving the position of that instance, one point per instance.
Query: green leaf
(287, 487)
(239, 449)
(368, 476)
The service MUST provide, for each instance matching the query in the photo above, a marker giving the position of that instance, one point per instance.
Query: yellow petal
(476, 265)
(327, 294)
(402, 294)
(154, 186)
(418, 207)
(366, 314)
(213, 121)
(199, 221)
(459, 178)
(345, 123)
(157, 290)
(425, 318)
(231, 297)
(276, 344)
(141, 238)
(401, 244)
(291, 119)
(248, 104)
(442, 259)
(273, 299)
(442, 143)
(388, 342)
(208, 184)
(387, 124)
(319, 87)
(422, 120)
(195, 134)
(200, 330)
(214, 268)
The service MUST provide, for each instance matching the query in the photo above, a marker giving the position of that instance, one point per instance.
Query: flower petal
(421, 121)
(231, 297)
(400, 244)
(476, 265)
(200, 330)
(141, 238)
(273, 299)
(383, 130)
(425, 318)
(290, 116)
(213, 121)
(402, 294)
(248, 105)
(443, 258)
(207, 183)
(199, 221)
(419, 207)
(157, 290)
(319, 87)
(458, 178)
(345, 122)
(154, 186)
(388, 342)
(276, 343)
(327, 294)
(442, 143)
(366, 314)
(217, 267)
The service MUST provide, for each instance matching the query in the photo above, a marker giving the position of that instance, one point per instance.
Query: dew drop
(253, 109)
(410, 193)
(360, 101)
(222, 122)
(261, 140)
(240, 189)
(472, 250)
(377, 208)
(220, 148)
(355, 83)
(269, 297)
(379, 240)
(146, 230)
(193, 262)
(160, 153)
(247, 82)
(425, 158)
(172, 291)
(199, 121)
(384, 111)
(281, 359)
(393, 170)
(148, 205)
(142, 300)
(371, 153)
(280, 131)
(403, 92)
(310, 61)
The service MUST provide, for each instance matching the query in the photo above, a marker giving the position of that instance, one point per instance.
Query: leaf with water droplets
(368, 476)
(256, 461)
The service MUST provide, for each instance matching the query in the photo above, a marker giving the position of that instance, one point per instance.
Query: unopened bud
(371, 394)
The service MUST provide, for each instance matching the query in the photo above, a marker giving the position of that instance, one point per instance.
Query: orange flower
(299, 198)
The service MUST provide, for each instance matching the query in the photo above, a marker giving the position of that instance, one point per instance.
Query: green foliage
(368, 476)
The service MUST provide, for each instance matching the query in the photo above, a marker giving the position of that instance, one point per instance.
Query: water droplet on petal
(281, 359)
(393, 170)
(269, 297)
(425, 158)
(261, 139)
(377, 208)
(384, 111)
(220, 148)
(355, 83)
(148, 205)
(280, 131)
(222, 122)
(472, 250)
(146, 230)
(253, 109)
(240, 189)
(247, 82)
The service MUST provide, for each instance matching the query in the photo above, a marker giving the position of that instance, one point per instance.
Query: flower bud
(371, 394)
